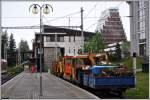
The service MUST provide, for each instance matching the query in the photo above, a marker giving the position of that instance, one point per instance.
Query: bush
(128, 62)
(14, 71)
(112, 57)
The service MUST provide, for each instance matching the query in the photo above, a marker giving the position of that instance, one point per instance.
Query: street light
(35, 10)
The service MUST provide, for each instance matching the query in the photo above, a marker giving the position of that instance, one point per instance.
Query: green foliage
(128, 62)
(12, 43)
(14, 71)
(79, 51)
(11, 49)
(11, 61)
(120, 48)
(94, 44)
(118, 52)
(125, 49)
(112, 57)
(23, 46)
(4, 43)
(125, 46)
(142, 87)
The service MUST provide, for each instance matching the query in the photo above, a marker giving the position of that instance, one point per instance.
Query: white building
(139, 27)
(60, 42)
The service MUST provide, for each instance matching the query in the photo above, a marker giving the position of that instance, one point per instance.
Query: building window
(60, 38)
(142, 49)
(86, 39)
(38, 38)
(74, 38)
(52, 38)
(69, 38)
(47, 38)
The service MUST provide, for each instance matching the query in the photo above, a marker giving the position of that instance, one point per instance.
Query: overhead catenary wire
(64, 16)
(47, 17)
(85, 17)
(117, 6)
(91, 10)
(90, 26)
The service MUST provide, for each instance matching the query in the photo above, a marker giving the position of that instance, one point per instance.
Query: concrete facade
(71, 47)
(58, 42)
(52, 49)
(139, 27)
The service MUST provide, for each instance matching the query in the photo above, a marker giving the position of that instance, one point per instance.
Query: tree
(125, 48)
(4, 44)
(95, 44)
(23, 47)
(11, 51)
(12, 43)
(118, 51)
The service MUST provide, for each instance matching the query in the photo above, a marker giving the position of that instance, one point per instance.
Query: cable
(91, 10)
(91, 25)
(119, 4)
(47, 17)
(97, 22)
(63, 16)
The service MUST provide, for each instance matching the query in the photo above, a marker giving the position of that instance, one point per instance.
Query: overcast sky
(17, 14)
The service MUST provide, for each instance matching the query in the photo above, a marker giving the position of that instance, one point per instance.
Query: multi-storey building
(110, 26)
(58, 42)
(139, 27)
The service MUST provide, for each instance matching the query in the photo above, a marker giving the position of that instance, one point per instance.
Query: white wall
(66, 44)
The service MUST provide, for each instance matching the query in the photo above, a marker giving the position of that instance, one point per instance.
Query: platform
(26, 86)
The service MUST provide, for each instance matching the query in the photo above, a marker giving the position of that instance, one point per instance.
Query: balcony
(113, 23)
(114, 14)
(113, 19)
(112, 27)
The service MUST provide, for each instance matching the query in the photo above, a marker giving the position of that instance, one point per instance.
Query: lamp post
(45, 8)
(82, 36)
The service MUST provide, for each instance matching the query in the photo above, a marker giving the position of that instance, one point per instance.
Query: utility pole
(41, 24)
(82, 37)
(134, 65)
(69, 22)
(56, 46)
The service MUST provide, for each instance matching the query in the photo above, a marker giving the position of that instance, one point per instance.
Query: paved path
(139, 70)
(26, 86)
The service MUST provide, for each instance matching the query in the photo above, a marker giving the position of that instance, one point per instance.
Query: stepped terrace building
(110, 26)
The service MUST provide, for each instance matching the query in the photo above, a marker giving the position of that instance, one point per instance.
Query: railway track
(5, 78)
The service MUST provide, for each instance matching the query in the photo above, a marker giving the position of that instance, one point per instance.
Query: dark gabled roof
(54, 29)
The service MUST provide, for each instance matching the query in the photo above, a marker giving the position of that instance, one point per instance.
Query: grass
(128, 62)
(142, 87)
(14, 71)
